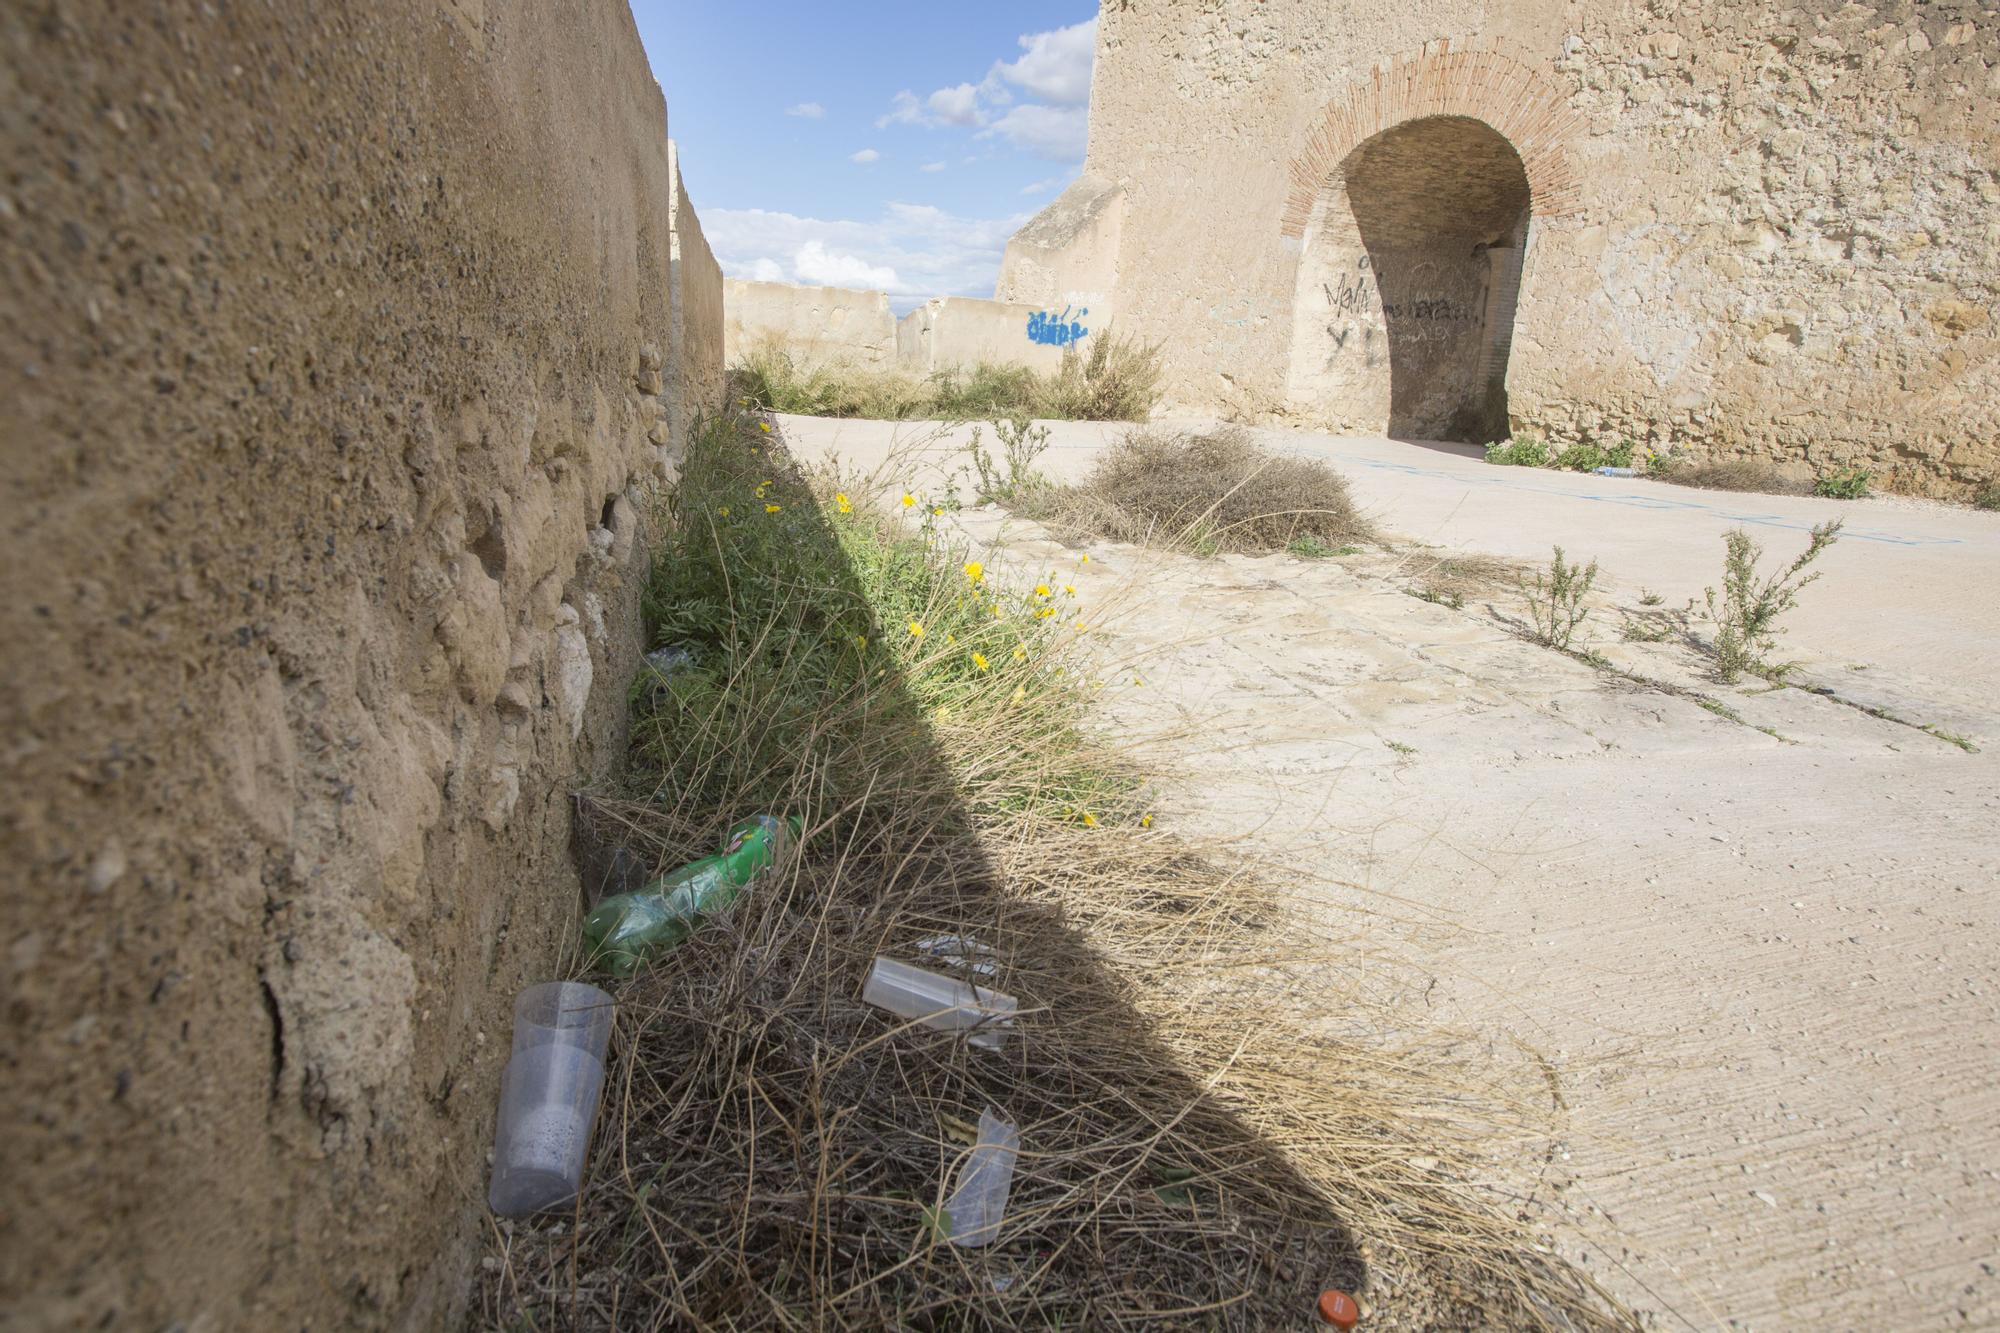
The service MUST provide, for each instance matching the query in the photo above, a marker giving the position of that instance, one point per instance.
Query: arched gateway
(1412, 203)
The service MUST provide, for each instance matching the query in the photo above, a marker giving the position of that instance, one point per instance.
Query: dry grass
(1733, 474)
(1208, 491)
(1117, 379)
(1461, 576)
(1214, 1124)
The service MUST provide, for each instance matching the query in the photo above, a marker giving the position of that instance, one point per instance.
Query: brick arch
(1487, 86)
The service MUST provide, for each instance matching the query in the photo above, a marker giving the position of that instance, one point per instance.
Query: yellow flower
(1089, 820)
(1137, 681)
(938, 510)
(1086, 560)
(979, 661)
(916, 630)
(974, 571)
(1041, 590)
(949, 637)
(861, 641)
(1145, 821)
(1079, 627)
(1020, 653)
(1044, 612)
(840, 503)
(909, 500)
(724, 511)
(772, 509)
(1070, 588)
(764, 426)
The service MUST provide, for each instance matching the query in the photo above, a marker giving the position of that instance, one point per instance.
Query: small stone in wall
(573, 670)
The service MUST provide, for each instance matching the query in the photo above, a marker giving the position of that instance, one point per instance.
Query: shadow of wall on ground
(770, 1143)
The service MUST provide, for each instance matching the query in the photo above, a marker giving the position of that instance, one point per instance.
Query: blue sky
(884, 145)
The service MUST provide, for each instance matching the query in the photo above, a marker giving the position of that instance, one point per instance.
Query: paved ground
(1763, 969)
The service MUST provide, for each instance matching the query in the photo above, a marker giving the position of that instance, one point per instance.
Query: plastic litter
(944, 1003)
(963, 952)
(548, 1096)
(1338, 1308)
(1617, 472)
(625, 931)
(973, 1212)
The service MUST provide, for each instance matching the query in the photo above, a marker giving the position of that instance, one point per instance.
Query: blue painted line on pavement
(1634, 500)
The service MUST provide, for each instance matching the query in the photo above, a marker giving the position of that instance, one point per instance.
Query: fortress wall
(1755, 230)
(331, 376)
(816, 324)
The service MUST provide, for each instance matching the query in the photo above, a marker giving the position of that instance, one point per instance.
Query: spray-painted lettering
(1056, 330)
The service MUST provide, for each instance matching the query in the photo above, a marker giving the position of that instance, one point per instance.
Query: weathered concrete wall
(695, 360)
(1068, 254)
(1753, 229)
(816, 324)
(326, 375)
(951, 331)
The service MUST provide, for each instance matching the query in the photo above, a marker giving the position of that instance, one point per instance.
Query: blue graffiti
(1056, 330)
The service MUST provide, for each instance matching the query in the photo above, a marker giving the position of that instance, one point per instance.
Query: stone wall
(1753, 230)
(695, 380)
(816, 324)
(951, 331)
(329, 352)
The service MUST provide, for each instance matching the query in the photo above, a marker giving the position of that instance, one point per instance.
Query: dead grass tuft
(1209, 491)
(1733, 474)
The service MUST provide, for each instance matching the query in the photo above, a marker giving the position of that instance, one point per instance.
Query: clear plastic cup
(567, 1013)
(548, 1106)
(548, 1096)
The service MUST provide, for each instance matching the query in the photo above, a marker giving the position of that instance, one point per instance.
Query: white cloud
(932, 166)
(1059, 134)
(912, 251)
(810, 110)
(1055, 66)
(957, 105)
(817, 266)
(1039, 186)
(865, 156)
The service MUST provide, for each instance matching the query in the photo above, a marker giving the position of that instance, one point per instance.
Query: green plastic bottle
(624, 932)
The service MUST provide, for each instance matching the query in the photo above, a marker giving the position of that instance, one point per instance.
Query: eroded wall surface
(695, 380)
(330, 344)
(1755, 230)
(817, 324)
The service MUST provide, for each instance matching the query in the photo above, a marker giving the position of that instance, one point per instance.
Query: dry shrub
(1460, 576)
(1214, 1124)
(1117, 380)
(1212, 490)
(1733, 474)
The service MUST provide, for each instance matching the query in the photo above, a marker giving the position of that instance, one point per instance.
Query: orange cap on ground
(1338, 1308)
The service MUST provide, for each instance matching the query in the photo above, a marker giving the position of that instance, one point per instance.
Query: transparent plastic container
(973, 1213)
(941, 1002)
(568, 1013)
(548, 1096)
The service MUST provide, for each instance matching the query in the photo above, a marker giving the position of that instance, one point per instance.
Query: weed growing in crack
(1021, 443)
(1747, 611)
(1555, 600)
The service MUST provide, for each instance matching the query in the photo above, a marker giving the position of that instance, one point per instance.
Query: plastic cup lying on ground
(548, 1096)
(944, 1003)
(566, 1013)
(973, 1213)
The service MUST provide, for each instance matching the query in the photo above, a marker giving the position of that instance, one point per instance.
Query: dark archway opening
(1442, 206)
